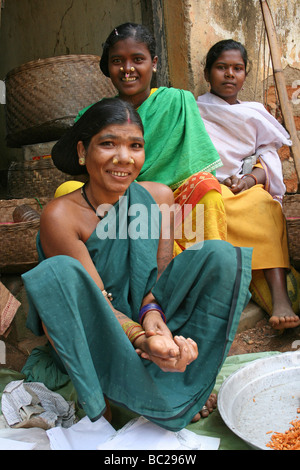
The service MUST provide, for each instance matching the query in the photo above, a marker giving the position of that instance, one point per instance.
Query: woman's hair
(135, 31)
(226, 45)
(106, 112)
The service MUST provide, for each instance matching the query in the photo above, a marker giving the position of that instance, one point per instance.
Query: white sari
(241, 130)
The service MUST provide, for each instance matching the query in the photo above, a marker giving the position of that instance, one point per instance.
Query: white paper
(141, 434)
(10, 444)
(84, 435)
(138, 434)
(35, 437)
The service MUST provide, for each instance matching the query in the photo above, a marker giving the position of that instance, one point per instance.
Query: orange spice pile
(288, 440)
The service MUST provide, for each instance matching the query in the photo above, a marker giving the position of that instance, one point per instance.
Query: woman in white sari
(247, 138)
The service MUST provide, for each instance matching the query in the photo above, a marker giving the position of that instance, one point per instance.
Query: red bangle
(251, 176)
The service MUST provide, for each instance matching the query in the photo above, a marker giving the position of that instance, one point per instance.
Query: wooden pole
(286, 110)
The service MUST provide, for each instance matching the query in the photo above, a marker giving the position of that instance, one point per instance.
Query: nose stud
(116, 161)
(132, 69)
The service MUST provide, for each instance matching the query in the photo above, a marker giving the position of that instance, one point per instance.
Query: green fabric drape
(203, 292)
(176, 142)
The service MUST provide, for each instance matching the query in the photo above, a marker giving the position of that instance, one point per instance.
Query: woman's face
(130, 68)
(114, 158)
(227, 75)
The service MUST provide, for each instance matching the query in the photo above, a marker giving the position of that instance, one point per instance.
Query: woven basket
(18, 240)
(38, 178)
(291, 210)
(44, 96)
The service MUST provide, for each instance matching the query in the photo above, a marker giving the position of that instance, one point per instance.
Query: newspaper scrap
(32, 404)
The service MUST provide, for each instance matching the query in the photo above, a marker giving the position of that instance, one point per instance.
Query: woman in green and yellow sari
(179, 152)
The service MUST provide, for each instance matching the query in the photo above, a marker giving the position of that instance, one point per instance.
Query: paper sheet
(10, 444)
(141, 434)
(83, 435)
(138, 434)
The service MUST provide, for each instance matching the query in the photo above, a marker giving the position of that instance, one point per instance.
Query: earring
(81, 161)
(154, 69)
(115, 161)
(121, 69)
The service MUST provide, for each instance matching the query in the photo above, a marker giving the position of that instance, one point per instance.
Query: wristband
(251, 176)
(147, 308)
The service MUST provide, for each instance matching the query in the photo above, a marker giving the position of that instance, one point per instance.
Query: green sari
(202, 292)
(177, 144)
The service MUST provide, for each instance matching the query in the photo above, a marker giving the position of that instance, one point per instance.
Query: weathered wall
(33, 29)
(193, 26)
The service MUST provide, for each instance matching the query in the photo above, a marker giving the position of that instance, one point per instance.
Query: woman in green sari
(179, 151)
(125, 320)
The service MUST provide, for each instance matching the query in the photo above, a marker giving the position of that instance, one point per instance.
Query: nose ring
(131, 160)
(132, 69)
(115, 161)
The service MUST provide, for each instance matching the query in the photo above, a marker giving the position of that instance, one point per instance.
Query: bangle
(108, 295)
(251, 176)
(128, 328)
(148, 308)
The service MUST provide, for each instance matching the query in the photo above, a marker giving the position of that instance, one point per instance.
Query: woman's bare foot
(208, 408)
(284, 317)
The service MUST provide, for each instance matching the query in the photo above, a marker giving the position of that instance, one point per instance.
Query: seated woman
(179, 151)
(125, 320)
(254, 215)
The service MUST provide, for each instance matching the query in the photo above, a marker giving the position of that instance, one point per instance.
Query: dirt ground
(261, 338)
(264, 338)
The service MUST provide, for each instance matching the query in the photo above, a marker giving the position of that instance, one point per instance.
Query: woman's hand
(159, 346)
(237, 185)
(153, 324)
(171, 355)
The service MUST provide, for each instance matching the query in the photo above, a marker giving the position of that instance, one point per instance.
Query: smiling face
(113, 160)
(227, 75)
(130, 68)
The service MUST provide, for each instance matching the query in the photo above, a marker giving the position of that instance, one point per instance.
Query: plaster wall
(33, 29)
(193, 26)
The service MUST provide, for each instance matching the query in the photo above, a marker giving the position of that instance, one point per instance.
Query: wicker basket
(18, 240)
(44, 96)
(291, 210)
(39, 178)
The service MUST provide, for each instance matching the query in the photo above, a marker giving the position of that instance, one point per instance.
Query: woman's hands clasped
(159, 346)
(236, 184)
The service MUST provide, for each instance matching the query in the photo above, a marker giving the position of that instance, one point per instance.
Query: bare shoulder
(161, 193)
(57, 209)
(61, 216)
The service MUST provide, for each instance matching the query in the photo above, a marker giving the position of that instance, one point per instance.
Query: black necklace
(83, 193)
